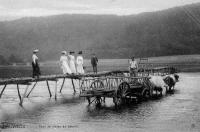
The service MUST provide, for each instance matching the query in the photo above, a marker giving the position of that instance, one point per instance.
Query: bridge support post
(55, 90)
(62, 85)
(24, 95)
(19, 95)
(3, 90)
(48, 88)
(31, 90)
(73, 85)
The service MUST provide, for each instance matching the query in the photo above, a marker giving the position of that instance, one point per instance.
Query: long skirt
(65, 68)
(80, 69)
(72, 66)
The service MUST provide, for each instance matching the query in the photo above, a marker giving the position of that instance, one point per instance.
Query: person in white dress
(79, 62)
(64, 63)
(72, 62)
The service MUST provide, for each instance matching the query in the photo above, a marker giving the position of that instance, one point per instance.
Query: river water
(177, 112)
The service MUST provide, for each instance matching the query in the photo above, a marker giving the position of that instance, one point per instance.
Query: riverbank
(185, 63)
(108, 65)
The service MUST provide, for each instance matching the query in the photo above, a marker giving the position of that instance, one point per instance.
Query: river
(177, 112)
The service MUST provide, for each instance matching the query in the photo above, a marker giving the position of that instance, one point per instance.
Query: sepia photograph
(99, 65)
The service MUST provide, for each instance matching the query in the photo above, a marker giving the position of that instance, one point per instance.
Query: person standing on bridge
(133, 66)
(35, 64)
(94, 62)
(79, 62)
(64, 63)
(72, 62)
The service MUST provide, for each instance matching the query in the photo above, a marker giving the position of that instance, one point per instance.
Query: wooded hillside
(168, 32)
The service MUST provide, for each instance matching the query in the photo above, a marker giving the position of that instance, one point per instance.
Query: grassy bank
(185, 63)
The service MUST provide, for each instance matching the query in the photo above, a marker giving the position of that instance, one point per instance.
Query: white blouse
(34, 58)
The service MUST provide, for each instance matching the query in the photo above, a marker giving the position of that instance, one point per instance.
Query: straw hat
(35, 50)
(64, 52)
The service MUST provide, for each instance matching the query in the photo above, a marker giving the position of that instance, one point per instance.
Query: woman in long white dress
(64, 63)
(79, 62)
(72, 62)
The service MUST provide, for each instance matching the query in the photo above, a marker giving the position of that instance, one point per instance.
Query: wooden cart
(120, 88)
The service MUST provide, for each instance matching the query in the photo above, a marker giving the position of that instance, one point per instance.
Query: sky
(25, 8)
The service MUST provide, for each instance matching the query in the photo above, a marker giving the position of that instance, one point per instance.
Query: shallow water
(175, 112)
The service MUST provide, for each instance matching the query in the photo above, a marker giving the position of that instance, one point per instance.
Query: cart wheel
(117, 101)
(146, 94)
(97, 84)
(123, 89)
(121, 94)
(98, 100)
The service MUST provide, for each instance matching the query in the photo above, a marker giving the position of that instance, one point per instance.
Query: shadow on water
(72, 99)
(104, 109)
(137, 109)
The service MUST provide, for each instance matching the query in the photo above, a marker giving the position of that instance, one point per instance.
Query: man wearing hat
(35, 65)
(94, 62)
(133, 67)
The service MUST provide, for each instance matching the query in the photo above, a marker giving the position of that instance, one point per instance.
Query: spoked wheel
(117, 101)
(121, 93)
(97, 84)
(123, 89)
(98, 100)
(146, 94)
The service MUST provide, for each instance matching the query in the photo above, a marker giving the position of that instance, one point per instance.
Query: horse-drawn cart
(120, 88)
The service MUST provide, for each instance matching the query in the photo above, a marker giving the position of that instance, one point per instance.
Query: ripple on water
(176, 112)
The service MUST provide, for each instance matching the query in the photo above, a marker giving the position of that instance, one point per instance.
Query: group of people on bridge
(68, 63)
(71, 65)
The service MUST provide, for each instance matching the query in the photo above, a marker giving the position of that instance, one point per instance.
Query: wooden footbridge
(104, 84)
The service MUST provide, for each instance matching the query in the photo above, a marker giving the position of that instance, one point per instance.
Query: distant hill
(169, 32)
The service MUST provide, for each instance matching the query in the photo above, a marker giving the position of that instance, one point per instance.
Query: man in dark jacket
(35, 65)
(94, 62)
